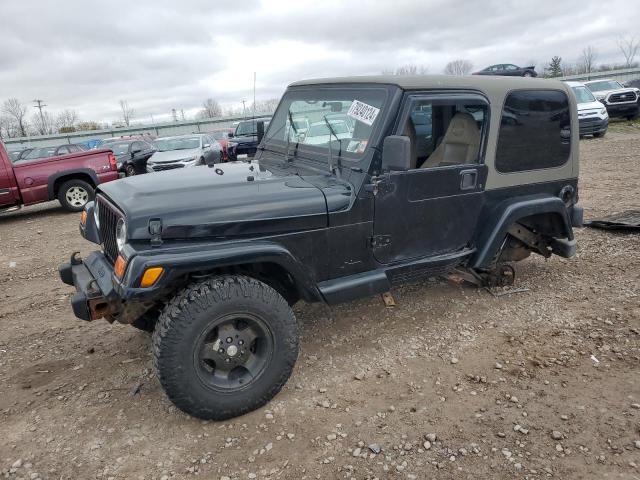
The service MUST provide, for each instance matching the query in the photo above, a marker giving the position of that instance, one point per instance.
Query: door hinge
(379, 241)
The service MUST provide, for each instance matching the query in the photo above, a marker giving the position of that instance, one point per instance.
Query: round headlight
(121, 234)
(96, 214)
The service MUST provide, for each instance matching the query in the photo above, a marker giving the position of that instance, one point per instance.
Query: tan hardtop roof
(424, 82)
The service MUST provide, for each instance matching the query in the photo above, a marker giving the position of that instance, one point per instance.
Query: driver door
(433, 208)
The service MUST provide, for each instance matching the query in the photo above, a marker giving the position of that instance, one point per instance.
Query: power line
(39, 105)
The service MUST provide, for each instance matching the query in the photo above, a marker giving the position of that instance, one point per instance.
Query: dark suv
(211, 259)
(244, 140)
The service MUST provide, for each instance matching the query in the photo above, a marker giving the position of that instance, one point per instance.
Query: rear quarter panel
(9, 193)
(33, 177)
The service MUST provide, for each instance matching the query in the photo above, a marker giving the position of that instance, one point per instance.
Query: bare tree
(629, 47)
(407, 70)
(265, 106)
(458, 67)
(66, 120)
(90, 125)
(16, 111)
(127, 112)
(587, 60)
(210, 109)
(42, 123)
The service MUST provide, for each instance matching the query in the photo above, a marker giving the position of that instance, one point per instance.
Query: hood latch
(155, 229)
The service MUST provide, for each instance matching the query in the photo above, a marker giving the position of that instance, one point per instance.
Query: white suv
(619, 100)
(592, 115)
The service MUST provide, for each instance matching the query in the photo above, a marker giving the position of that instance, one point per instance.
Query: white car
(619, 100)
(184, 151)
(319, 133)
(592, 114)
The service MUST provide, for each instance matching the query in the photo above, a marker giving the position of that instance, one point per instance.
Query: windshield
(249, 127)
(353, 113)
(604, 85)
(323, 129)
(178, 143)
(220, 135)
(119, 148)
(40, 153)
(583, 95)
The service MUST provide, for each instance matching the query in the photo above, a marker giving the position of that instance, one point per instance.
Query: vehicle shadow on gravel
(35, 212)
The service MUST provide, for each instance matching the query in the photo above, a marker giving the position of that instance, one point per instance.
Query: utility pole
(254, 94)
(39, 105)
(244, 110)
(182, 114)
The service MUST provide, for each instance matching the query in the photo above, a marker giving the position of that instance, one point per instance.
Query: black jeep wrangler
(396, 179)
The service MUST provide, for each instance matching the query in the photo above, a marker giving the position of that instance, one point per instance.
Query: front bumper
(95, 295)
(591, 125)
(622, 109)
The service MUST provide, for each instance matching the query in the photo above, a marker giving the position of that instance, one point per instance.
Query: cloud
(161, 54)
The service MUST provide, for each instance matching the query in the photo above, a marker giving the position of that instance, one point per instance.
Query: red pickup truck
(70, 178)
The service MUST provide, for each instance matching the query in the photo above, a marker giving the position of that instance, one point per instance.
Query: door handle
(468, 179)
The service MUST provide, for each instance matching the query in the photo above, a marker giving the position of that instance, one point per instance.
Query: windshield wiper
(331, 168)
(295, 130)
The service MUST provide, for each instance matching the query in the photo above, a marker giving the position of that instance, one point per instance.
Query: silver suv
(619, 100)
(184, 151)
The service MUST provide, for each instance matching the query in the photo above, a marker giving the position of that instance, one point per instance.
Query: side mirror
(396, 153)
(137, 150)
(260, 130)
(206, 145)
(230, 135)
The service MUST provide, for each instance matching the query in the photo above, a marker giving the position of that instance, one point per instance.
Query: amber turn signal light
(83, 217)
(151, 276)
(119, 266)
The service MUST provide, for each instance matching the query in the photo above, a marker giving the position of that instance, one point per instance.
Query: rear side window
(535, 131)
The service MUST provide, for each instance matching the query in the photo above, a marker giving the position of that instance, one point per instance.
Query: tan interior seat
(459, 145)
(410, 131)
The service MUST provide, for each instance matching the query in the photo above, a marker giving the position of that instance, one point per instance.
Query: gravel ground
(450, 383)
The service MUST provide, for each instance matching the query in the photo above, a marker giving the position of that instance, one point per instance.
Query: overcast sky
(159, 55)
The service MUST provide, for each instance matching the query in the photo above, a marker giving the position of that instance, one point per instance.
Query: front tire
(225, 346)
(599, 134)
(74, 195)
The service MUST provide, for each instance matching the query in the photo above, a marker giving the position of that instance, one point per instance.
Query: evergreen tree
(555, 67)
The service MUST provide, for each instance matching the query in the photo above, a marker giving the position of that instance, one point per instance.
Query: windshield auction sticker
(363, 112)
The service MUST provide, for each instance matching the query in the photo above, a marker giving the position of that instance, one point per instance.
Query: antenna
(254, 95)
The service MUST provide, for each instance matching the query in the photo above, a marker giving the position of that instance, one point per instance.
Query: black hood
(229, 200)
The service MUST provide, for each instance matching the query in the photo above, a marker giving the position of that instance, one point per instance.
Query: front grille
(109, 216)
(622, 97)
(169, 166)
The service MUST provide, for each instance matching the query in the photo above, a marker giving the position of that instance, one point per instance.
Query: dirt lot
(539, 384)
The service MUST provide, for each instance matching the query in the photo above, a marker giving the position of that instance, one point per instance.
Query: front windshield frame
(583, 95)
(327, 92)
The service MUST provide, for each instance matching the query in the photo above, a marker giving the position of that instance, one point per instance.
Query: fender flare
(51, 181)
(508, 212)
(179, 262)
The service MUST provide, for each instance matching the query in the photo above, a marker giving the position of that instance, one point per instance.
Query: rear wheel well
(72, 176)
(550, 224)
(543, 226)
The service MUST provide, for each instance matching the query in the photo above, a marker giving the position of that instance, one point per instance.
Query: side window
(62, 150)
(445, 132)
(535, 131)
(73, 149)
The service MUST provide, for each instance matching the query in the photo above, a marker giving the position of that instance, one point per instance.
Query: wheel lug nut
(221, 350)
(227, 360)
(240, 342)
(229, 339)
